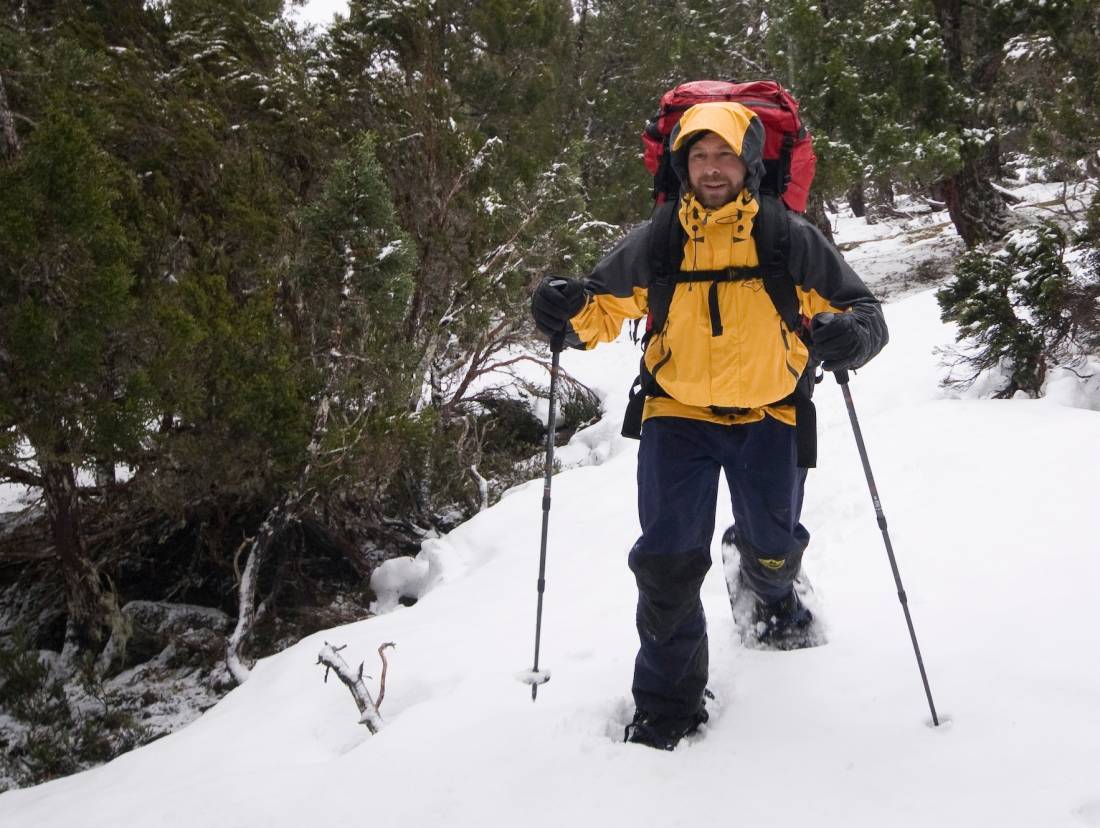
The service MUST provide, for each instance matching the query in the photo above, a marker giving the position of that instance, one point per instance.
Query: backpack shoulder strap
(666, 253)
(772, 233)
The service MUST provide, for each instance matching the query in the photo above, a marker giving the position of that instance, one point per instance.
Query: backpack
(789, 164)
(789, 159)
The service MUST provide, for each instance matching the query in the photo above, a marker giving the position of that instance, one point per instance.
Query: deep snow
(990, 505)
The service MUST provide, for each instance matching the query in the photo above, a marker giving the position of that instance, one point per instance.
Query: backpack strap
(772, 233)
(773, 245)
(666, 253)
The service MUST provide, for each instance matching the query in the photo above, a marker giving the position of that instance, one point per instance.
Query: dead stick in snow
(331, 658)
(382, 681)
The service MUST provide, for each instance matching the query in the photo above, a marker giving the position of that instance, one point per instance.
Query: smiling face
(715, 172)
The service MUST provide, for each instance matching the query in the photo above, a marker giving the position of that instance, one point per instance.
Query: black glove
(840, 341)
(556, 301)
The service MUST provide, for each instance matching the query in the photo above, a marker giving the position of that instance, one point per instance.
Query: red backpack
(789, 158)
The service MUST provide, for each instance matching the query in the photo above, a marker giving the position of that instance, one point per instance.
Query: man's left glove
(840, 341)
(556, 301)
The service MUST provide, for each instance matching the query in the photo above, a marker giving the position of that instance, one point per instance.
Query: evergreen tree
(975, 38)
(1021, 310)
(1047, 91)
(351, 287)
(71, 391)
(464, 99)
(151, 177)
(872, 80)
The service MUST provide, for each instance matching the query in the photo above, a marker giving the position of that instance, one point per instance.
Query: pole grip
(841, 376)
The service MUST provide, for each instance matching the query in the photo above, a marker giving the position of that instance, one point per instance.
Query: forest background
(261, 284)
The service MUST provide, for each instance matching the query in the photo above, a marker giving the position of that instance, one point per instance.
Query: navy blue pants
(679, 461)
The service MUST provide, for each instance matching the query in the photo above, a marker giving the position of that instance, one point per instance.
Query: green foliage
(228, 377)
(352, 286)
(872, 79)
(1049, 83)
(1020, 309)
(67, 293)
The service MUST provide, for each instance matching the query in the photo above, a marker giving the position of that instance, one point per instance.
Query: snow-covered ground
(990, 507)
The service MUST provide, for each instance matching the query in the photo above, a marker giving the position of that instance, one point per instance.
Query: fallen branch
(1007, 194)
(15, 474)
(353, 680)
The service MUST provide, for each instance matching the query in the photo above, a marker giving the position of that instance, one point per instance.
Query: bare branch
(368, 710)
(18, 475)
(382, 681)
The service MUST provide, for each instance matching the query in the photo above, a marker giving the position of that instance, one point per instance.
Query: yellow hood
(735, 124)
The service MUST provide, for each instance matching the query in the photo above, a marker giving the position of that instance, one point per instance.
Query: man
(723, 369)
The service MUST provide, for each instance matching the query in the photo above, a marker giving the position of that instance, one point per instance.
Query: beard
(716, 192)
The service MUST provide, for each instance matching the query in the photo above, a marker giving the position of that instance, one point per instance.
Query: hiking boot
(663, 732)
(785, 625)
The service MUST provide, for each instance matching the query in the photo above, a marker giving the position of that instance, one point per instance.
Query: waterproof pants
(679, 461)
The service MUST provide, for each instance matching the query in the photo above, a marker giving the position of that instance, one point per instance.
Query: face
(715, 173)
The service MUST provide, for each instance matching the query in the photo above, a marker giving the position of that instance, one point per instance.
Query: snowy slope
(991, 507)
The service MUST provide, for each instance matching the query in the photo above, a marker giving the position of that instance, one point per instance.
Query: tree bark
(816, 215)
(856, 199)
(89, 607)
(9, 138)
(976, 208)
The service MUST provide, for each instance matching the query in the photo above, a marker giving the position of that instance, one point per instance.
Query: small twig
(382, 681)
(1074, 372)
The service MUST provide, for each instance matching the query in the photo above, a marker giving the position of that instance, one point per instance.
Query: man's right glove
(840, 341)
(556, 301)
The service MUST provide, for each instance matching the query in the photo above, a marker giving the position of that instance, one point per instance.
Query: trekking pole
(535, 677)
(842, 378)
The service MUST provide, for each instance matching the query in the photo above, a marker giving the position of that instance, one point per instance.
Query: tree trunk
(816, 215)
(88, 606)
(884, 191)
(9, 139)
(977, 210)
(248, 612)
(882, 200)
(856, 199)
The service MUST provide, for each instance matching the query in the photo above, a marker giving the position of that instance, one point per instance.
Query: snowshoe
(788, 625)
(785, 625)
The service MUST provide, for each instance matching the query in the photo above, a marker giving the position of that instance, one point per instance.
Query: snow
(989, 504)
(387, 251)
(13, 497)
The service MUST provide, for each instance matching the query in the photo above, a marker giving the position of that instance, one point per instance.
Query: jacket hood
(737, 125)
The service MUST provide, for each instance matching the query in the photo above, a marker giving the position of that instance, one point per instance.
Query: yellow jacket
(752, 361)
